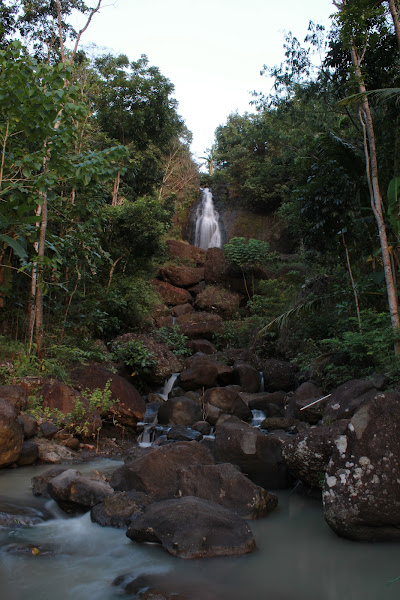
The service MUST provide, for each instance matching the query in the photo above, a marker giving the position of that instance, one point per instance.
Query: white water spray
(207, 233)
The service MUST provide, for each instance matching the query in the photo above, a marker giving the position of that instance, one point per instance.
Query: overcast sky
(212, 51)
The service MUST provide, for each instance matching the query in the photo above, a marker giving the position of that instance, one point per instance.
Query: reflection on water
(298, 557)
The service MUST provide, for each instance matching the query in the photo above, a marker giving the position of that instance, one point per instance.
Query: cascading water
(207, 232)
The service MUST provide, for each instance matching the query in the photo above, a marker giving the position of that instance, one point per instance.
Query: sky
(211, 50)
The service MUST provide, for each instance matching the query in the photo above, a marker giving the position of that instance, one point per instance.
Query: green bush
(174, 339)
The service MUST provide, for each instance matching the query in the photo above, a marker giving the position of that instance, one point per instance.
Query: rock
(40, 483)
(171, 294)
(203, 346)
(257, 454)
(178, 249)
(180, 433)
(307, 454)
(182, 309)
(48, 429)
(347, 398)
(247, 377)
(305, 394)
(182, 276)
(201, 325)
(155, 473)
(225, 485)
(11, 434)
(225, 374)
(53, 452)
(279, 375)
(263, 401)
(199, 376)
(72, 443)
(129, 407)
(361, 493)
(29, 454)
(228, 401)
(203, 427)
(277, 423)
(29, 425)
(57, 395)
(193, 528)
(76, 493)
(215, 298)
(117, 508)
(15, 395)
(215, 267)
(180, 411)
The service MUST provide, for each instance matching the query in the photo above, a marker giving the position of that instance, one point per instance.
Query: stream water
(298, 556)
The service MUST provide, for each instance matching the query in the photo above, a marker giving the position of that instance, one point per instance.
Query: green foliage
(236, 334)
(17, 363)
(174, 339)
(247, 253)
(137, 357)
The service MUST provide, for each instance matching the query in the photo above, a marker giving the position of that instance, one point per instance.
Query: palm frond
(382, 95)
(298, 311)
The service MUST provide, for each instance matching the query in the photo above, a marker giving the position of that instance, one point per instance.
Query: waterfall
(208, 233)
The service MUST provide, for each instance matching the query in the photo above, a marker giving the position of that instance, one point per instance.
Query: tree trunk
(114, 200)
(396, 21)
(40, 280)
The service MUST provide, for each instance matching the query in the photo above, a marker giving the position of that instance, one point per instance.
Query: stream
(298, 556)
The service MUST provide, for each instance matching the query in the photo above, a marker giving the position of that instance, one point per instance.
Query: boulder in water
(77, 493)
(180, 411)
(11, 434)
(227, 401)
(117, 508)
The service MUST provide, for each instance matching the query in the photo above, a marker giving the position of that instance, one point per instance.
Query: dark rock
(228, 401)
(193, 528)
(117, 508)
(264, 400)
(307, 454)
(347, 398)
(259, 455)
(11, 434)
(203, 427)
(277, 423)
(304, 395)
(170, 294)
(29, 454)
(180, 433)
(180, 411)
(182, 276)
(182, 309)
(40, 483)
(227, 486)
(57, 395)
(361, 493)
(29, 425)
(179, 249)
(279, 375)
(203, 346)
(247, 377)
(200, 325)
(15, 395)
(215, 267)
(215, 298)
(76, 493)
(48, 429)
(198, 376)
(155, 473)
(72, 443)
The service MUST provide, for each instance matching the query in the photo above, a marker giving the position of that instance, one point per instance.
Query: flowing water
(207, 230)
(298, 556)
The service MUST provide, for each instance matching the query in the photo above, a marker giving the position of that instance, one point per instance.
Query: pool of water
(298, 556)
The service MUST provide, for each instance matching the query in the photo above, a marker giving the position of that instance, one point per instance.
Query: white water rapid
(207, 233)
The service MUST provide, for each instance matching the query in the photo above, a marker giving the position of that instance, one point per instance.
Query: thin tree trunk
(114, 200)
(40, 280)
(396, 21)
(353, 285)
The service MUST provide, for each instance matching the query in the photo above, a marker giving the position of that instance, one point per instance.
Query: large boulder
(63, 398)
(170, 294)
(193, 528)
(16, 395)
(76, 493)
(40, 483)
(227, 401)
(218, 299)
(247, 377)
(347, 398)
(307, 454)
(203, 346)
(11, 434)
(279, 375)
(29, 454)
(306, 394)
(178, 249)
(257, 454)
(155, 473)
(201, 374)
(361, 494)
(226, 485)
(129, 407)
(117, 508)
(215, 267)
(201, 325)
(182, 276)
(180, 411)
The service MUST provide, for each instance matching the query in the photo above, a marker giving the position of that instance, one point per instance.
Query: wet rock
(29, 425)
(203, 427)
(180, 433)
(227, 401)
(77, 493)
(193, 528)
(257, 454)
(200, 375)
(263, 401)
(227, 486)
(304, 395)
(129, 407)
(40, 483)
(347, 398)
(11, 434)
(15, 395)
(155, 473)
(117, 508)
(307, 454)
(171, 294)
(277, 423)
(361, 493)
(279, 375)
(29, 454)
(18, 520)
(247, 377)
(180, 411)
(53, 452)
(182, 276)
